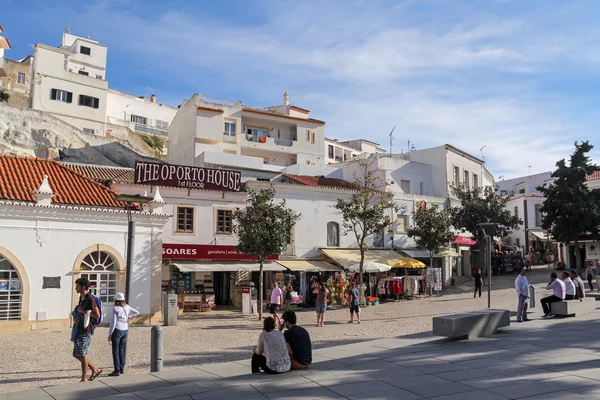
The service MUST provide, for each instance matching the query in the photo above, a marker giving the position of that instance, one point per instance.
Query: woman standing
(288, 296)
(590, 275)
(117, 334)
(321, 291)
(271, 354)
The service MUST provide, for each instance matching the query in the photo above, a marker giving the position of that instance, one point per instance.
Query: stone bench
(473, 324)
(570, 308)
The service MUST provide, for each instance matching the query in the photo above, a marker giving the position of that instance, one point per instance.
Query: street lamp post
(488, 257)
(130, 200)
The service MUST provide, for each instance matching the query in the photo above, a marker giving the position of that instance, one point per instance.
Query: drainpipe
(526, 226)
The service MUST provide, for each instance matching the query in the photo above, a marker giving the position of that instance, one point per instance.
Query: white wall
(182, 135)
(527, 183)
(121, 106)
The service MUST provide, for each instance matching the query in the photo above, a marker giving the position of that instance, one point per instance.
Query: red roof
(317, 181)
(278, 115)
(103, 174)
(594, 177)
(20, 176)
(216, 110)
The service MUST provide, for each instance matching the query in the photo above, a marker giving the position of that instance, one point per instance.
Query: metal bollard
(531, 296)
(156, 349)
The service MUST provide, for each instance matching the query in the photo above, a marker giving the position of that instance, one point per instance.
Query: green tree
(367, 210)
(571, 209)
(263, 228)
(482, 205)
(154, 141)
(4, 97)
(432, 229)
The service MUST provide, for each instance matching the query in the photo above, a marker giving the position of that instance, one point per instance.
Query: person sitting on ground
(579, 285)
(298, 340)
(559, 293)
(271, 353)
(569, 286)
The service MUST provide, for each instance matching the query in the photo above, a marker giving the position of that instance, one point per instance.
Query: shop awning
(424, 253)
(348, 257)
(308, 265)
(464, 241)
(226, 267)
(540, 234)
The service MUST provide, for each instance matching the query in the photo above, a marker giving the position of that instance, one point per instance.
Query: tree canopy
(4, 97)
(482, 205)
(432, 229)
(263, 228)
(571, 210)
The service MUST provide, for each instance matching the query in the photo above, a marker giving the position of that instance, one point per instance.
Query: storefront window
(10, 291)
(101, 270)
(333, 234)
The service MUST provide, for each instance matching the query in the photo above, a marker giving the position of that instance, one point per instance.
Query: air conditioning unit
(40, 316)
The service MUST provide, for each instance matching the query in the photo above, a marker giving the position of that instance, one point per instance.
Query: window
(229, 130)
(10, 291)
(402, 224)
(503, 193)
(314, 138)
(161, 124)
(265, 160)
(405, 186)
(307, 135)
(421, 188)
(466, 179)
(185, 219)
(100, 268)
(139, 120)
(21, 78)
(61, 95)
(333, 234)
(85, 50)
(89, 101)
(538, 215)
(475, 181)
(330, 151)
(89, 131)
(517, 212)
(257, 133)
(521, 191)
(98, 76)
(456, 176)
(81, 72)
(224, 218)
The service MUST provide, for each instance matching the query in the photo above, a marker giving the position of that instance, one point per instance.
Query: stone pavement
(542, 359)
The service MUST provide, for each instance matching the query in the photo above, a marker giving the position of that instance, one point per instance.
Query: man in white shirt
(276, 301)
(579, 285)
(522, 286)
(569, 286)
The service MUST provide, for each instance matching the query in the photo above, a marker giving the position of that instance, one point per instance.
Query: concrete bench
(569, 308)
(473, 324)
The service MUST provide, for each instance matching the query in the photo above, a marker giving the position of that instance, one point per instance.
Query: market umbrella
(370, 267)
(406, 262)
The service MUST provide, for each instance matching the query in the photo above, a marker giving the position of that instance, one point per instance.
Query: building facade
(17, 81)
(340, 151)
(57, 226)
(523, 185)
(4, 45)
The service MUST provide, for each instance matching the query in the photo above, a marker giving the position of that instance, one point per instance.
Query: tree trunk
(578, 263)
(261, 296)
(431, 265)
(362, 261)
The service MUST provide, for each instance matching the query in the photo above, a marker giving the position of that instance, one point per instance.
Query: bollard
(531, 296)
(156, 349)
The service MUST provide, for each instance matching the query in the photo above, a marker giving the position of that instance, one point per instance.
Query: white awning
(309, 265)
(226, 267)
(424, 253)
(540, 234)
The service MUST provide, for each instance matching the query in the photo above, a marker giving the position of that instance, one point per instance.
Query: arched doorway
(11, 291)
(101, 269)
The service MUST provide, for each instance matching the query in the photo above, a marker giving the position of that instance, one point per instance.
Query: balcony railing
(284, 142)
(227, 137)
(151, 130)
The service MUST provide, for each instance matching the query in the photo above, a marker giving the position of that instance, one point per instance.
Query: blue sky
(520, 77)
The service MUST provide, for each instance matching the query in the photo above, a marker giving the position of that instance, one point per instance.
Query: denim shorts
(321, 308)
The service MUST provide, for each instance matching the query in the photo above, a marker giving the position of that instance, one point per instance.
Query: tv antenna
(391, 139)
(529, 170)
(481, 150)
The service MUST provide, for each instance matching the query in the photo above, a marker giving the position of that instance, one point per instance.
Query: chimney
(157, 203)
(44, 194)
(286, 99)
(153, 98)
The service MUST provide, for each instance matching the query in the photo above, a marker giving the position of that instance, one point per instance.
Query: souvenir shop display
(338, 288)
(433, 279)
(406, 286)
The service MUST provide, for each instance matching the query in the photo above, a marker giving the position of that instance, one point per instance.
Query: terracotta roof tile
(103, 174)
(20, 176)
(278, 115)
(593, 177)
(216, 110)
(316, 181)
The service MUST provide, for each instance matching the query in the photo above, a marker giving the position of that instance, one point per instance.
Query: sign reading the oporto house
(184, 176)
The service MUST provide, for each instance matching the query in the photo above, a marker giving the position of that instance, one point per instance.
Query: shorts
(354, 308)
(274, 308)
(82, 343)
(321, 308)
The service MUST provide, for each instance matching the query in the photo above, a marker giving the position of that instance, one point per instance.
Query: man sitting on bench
(569, 286)
(559, 293)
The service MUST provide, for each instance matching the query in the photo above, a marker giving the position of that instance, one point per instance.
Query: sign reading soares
(205, 252)
(184, 176)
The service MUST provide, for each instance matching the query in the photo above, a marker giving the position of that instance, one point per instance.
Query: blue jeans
(119, 349)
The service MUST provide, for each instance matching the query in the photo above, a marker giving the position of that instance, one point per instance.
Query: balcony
(229, 137)
(151, 130)
(284, 142)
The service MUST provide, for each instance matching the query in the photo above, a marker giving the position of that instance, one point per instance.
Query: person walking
(288, 296)
(597, 269)
(83, 328)
(276, 301)
(522, 286)
(559, 293)
(354, 302)
(271, 354)
(478, 281)
(589, 272)
(321, 291)
(119, 331)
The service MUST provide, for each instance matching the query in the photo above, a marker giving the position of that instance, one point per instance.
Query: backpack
(100, 305)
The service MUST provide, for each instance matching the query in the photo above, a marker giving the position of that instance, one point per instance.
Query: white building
(58, 226)
(593, 181)
(70, 82)
(340, 151)
(523, 184)
(229, 134)
(4, 45)
(139, 114)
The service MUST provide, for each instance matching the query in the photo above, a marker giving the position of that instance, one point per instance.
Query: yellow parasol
(406, 262)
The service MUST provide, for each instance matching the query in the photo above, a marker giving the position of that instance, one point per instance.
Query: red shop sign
(173, 251)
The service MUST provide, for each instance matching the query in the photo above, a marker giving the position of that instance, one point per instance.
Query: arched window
(333, 234)
(11, 293)
(100, 269)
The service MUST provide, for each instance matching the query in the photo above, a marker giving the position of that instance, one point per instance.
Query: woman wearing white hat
(117, 334)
